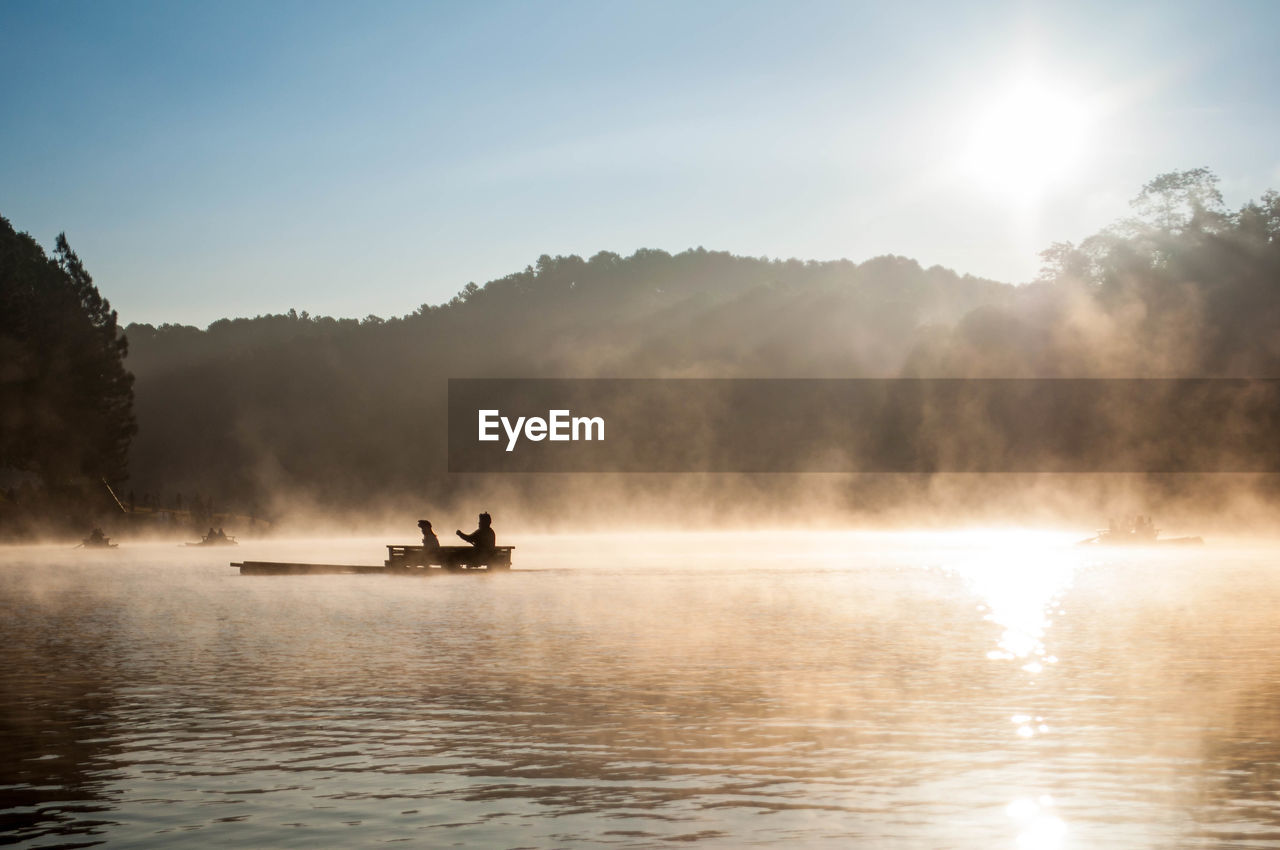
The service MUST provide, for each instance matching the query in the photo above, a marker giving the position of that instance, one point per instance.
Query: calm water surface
(984, 691)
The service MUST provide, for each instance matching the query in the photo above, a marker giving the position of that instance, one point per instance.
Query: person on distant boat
(96, 538)
(211, 536)
(222, 535)
(430, 542)
(483, 537)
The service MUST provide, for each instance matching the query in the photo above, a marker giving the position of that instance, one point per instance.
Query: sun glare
(1026, 139)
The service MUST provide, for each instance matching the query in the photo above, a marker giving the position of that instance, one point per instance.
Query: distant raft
(401, 561)
(97, 541)
(1138, 532)
(1105, 539)
(221, 541)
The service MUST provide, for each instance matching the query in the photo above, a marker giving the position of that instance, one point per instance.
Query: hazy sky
(230, 159)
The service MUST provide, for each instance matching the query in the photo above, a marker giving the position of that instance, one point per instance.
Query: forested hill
(349, 411)
(651, 314)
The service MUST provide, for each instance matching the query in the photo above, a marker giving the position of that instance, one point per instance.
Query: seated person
(483, 537)
(429, 540)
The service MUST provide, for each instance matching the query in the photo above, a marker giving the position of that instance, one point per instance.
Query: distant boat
(97, 540)
(1140, 532)
(216, 539)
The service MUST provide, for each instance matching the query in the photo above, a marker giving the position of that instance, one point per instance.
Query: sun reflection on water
(1021, 581)
(1040, 829)
(1021, 587)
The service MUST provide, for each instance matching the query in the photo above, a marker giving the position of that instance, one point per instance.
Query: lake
(969, 690)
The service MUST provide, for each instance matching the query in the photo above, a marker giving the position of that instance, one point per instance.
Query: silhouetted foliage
(1185, 289)
(66, 399)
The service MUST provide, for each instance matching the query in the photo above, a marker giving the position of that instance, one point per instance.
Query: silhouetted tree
(1185, 288)
(65, 396)
(1178, 200)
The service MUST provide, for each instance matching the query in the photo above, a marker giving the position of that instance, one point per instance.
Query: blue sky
(231, 159)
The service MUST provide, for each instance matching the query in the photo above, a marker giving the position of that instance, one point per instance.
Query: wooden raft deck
(278, 568)
(401, 560)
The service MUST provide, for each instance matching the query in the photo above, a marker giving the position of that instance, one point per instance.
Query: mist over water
(983, 689)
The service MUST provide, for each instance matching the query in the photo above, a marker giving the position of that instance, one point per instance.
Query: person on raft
(429, 540)
(483, 537)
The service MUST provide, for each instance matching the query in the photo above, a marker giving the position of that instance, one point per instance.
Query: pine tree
(66, 399)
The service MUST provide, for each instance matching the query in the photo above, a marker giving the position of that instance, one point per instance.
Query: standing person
(483, 537)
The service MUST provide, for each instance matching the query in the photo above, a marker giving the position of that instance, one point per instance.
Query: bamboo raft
(401, 561)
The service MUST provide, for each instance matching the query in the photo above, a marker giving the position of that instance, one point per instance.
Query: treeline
(353, 412)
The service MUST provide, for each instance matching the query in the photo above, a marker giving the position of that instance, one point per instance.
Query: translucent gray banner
(864, 425)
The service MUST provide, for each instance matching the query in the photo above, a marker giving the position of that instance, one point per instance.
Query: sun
(1026, 139)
